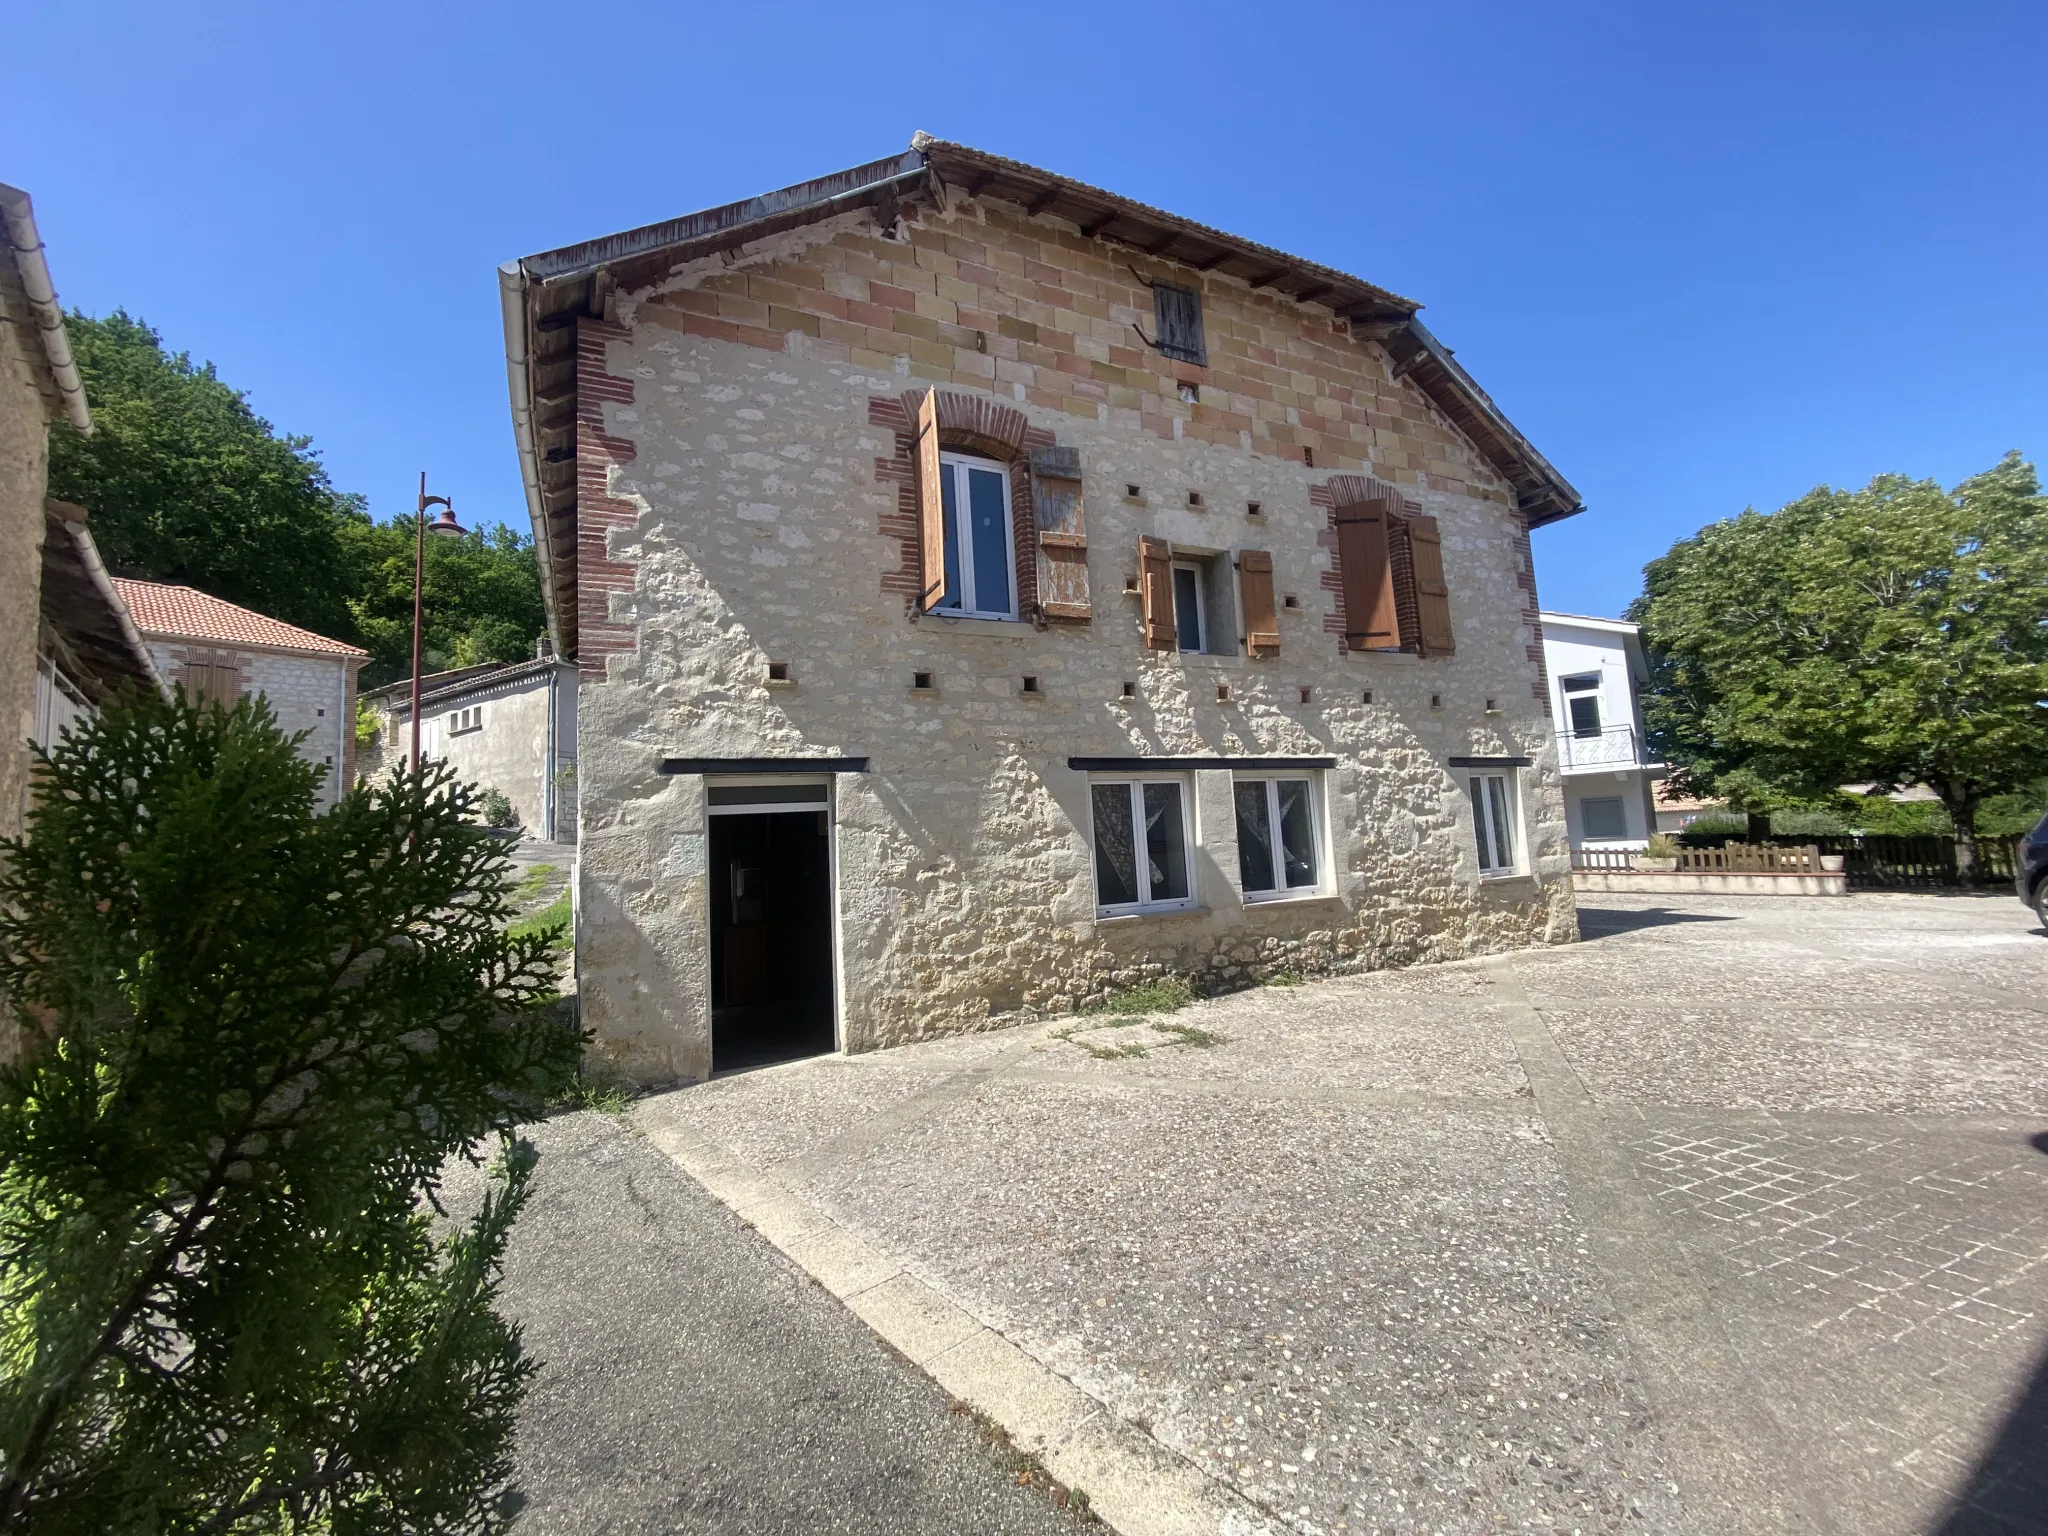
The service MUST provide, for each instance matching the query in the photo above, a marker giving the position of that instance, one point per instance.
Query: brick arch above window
(975, 424)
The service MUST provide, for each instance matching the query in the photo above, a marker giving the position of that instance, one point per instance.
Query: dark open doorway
(771, 936)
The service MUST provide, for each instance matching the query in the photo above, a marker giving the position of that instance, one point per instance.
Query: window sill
(1506, 877)
(1290, 899)
(972, 619)
(1149, 914)
(1398, 658)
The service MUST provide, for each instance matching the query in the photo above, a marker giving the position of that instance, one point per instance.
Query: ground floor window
(1493, 807)
(1276, 836)
(1603, 817)
(1141, 845)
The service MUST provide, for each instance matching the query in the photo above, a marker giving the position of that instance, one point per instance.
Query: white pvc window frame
(1134, 786)
(1318, 839)
(953, 470)
(1496, 822)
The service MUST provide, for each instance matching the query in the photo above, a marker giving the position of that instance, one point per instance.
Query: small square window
(778, 672)
(1191, 393)
(1308, 457)
(1253, 509)
(1223, 693)
(1436, 701)
(1277, 836)
(1141, 839)
(1368, 695)
(1130, 690)
(1030, 683)
(922, 681)
(1290, 601)
(1133, 493)
(1604, 818)
(1195, 500)
(1305, 694)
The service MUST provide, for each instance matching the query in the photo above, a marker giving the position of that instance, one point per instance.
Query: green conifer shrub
(252, 1036)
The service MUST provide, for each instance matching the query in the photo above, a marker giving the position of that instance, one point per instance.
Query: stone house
(1610, 775)
(220, 651)
(991, 592)
(66, 639)
(511, 728)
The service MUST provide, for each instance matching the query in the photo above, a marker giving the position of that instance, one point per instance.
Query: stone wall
(24, 481)
(314, 694)
(742, 504)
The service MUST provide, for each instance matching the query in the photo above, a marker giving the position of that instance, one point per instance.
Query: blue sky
(1707, 257)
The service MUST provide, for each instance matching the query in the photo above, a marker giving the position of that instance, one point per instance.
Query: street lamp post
(444, 524)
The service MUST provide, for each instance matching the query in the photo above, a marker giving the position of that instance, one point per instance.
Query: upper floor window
(1276, 836)
(1190, 613)
(1493, 817)
(461, 720)
(1177, 313)
(1582, 702)
(981, 579)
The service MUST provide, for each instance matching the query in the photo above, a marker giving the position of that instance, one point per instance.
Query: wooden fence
(1895, 863)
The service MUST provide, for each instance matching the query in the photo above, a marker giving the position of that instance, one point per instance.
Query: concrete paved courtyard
(1731, 1218)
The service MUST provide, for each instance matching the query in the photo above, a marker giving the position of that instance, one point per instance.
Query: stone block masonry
(747, 495)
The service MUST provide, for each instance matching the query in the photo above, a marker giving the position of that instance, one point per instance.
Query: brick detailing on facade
(970, 424)
(1525, 579)
(598, 512)
(986, 297)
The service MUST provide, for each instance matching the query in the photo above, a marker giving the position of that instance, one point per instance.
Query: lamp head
(445, 524)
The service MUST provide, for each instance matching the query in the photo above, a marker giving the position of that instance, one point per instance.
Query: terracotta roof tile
(181, 613)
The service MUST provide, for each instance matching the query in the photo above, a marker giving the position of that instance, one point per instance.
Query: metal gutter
(512, 307)
(26, 244)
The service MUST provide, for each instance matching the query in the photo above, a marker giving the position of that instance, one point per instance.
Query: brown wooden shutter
(1155, 589)
(1062, 535)
(1370, 620)
(931, 503)
(1432, 597)
(1255, 590)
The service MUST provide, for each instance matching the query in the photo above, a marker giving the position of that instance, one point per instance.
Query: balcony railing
(1616, 746)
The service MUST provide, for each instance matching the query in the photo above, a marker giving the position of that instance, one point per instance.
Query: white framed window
(1141, 836)
(1582, 702)
(1604, 818)
(1279, 836)
(1190, 610)
(981, 579)
(461, 720)
(1493, 817)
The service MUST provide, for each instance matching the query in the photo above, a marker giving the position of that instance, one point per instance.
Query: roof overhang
(85, 613)
(28, 301)
(543, 296)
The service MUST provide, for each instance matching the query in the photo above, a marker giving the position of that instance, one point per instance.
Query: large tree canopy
(1898, 633)
(186, 483)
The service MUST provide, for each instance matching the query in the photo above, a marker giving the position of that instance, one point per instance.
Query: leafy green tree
(187, 484)
(1892, 634)
(256, 1034)
(482, 597)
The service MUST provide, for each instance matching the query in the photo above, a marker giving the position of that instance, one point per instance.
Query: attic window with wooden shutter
(1177, 313)
(1364, 564)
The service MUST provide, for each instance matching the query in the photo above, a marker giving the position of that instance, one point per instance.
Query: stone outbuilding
(991, 592)
(219, 651)
(507, 726)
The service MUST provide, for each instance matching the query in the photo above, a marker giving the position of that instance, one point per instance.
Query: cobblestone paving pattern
(1330, 1243)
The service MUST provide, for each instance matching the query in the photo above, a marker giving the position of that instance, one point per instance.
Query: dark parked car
(2032, 879)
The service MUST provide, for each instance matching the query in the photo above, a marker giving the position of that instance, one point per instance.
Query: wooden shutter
(1177, 312)
(1432, 597)
(1155, 590)
(1062, 535)
(1370, 620)
(931, 503)
(1255, 590)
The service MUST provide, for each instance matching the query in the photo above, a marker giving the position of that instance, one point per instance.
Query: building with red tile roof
(220, 651)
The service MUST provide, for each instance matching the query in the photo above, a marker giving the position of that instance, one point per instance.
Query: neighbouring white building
(1596, 671)
(506, 726)
(218, 651)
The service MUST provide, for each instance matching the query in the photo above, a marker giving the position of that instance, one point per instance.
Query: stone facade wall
(314, 694)
(24, 482)
(742, 503)
(506, 750)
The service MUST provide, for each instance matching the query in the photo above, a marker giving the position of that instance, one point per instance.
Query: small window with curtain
(1141, 837)
(1177, 312)
(1493, 819)
(1603, 818)
(1278, 837)
(980, 556)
